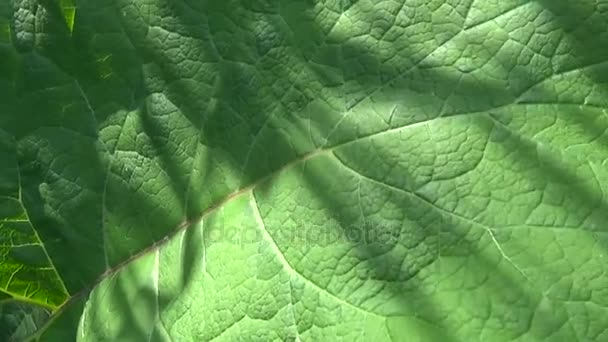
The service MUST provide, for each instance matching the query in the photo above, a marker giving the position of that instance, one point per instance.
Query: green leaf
(26, 272)
(20, 320)
(304, 170)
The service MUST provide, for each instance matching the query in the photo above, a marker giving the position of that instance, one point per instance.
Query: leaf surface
(305, 170)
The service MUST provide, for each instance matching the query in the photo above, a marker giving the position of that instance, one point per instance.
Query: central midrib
(245, 190)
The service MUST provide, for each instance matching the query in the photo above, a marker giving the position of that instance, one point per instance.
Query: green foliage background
(197, 170)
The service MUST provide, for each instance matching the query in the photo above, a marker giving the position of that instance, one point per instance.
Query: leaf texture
(304, 170)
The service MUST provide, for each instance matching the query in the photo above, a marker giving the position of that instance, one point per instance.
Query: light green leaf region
(304, 170)
(26, 272)
(69, 13)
